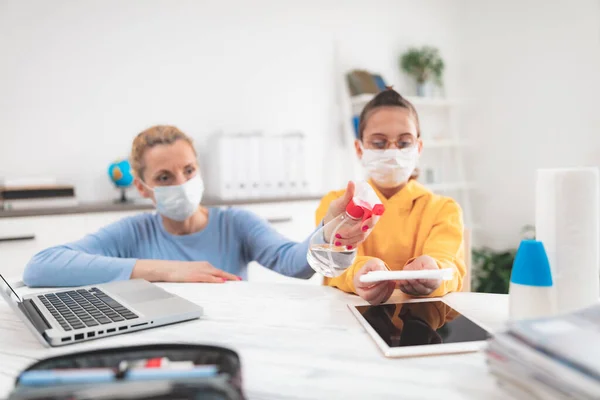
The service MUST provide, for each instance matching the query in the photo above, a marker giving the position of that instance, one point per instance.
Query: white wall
(534, 68)
(80, 78)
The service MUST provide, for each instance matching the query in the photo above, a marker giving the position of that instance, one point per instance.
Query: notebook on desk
(68, 316)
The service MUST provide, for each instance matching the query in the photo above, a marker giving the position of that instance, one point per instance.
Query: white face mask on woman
(179, 202)
(391, 167)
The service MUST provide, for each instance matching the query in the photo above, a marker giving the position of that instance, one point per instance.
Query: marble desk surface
(295, 342)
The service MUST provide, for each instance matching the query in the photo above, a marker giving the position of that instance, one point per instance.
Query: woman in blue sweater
(183, 242)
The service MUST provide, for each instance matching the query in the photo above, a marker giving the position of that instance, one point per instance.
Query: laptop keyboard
(78, 309)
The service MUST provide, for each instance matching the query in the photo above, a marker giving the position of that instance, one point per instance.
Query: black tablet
(420, 327)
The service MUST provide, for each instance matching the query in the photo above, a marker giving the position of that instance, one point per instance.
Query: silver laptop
(73, 315)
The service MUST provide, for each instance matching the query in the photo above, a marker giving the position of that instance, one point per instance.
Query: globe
(121, 175)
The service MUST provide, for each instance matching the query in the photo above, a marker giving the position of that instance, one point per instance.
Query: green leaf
(492, 269)
(423, 64)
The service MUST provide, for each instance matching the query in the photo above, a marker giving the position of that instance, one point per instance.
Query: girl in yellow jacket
(419, 229)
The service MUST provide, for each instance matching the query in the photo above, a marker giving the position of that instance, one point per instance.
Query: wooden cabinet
(23, 237)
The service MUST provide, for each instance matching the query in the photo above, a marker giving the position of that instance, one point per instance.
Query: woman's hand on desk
(374, 293)
(199, 271)
(420, 287)
(180, 271)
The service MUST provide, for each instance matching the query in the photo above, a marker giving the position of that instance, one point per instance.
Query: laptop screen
(7, 290)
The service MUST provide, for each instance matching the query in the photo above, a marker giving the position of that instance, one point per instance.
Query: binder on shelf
(380, 82)
(239, 161)
(279, 166)
(302, 176)
(289, 161)
(219, 175)
(226, 165)
(253, 165)
(267, 167)
(296, 180)
(356, 125)
(254, 153)
(290, 157)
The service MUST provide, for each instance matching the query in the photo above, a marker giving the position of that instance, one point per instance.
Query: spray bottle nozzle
(364, 211)
(355, 211)
(378, 209)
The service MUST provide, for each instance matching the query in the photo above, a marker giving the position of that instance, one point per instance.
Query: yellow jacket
(416, 222)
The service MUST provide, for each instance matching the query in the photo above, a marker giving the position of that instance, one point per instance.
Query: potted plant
(492, 268)
(425, 65)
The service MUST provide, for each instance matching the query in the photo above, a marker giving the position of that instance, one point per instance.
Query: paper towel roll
(567, 222)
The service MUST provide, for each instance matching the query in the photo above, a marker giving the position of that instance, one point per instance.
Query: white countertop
(295, 342)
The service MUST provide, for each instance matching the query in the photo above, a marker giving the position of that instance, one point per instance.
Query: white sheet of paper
(378, 276)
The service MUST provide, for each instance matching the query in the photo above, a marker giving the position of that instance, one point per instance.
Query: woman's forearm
(153, 270)
(62, 266)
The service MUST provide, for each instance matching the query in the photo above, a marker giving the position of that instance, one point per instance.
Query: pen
(55, 377)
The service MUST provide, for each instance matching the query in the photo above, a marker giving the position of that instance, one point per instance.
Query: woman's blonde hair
(156, 135)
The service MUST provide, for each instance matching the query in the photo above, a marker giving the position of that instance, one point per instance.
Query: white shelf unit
(362, 99)
(442, 145)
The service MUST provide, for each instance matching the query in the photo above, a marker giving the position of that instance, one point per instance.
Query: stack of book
(20, 195)
(361, 82)
(551, 358)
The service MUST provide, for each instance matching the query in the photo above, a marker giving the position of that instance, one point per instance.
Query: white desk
(295, 342)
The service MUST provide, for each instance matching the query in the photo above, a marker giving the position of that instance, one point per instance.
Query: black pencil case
(225, 385)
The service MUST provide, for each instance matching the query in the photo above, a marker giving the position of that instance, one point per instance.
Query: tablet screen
(416, 324)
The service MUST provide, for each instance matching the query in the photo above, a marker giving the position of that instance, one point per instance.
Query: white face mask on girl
(391, 167)
(179, 202)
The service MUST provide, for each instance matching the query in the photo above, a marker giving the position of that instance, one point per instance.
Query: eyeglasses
(379, 143)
